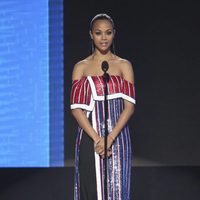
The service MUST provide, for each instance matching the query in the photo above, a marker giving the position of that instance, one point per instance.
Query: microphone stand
(106, 79)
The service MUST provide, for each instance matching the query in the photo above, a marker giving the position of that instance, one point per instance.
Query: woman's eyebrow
(101, 30)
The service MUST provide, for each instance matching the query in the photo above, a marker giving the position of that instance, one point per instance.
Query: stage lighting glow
(31, 83)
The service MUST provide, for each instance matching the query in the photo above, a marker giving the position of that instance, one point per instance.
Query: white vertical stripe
(97, 161)
(92, 85)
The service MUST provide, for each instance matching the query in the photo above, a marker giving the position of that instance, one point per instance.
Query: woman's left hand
(99, 148)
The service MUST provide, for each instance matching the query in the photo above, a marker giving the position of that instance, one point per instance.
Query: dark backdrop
(161, 39)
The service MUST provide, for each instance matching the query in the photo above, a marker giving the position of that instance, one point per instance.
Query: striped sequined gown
(88, 94)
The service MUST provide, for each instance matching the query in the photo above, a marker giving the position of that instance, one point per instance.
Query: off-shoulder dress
(87, 93)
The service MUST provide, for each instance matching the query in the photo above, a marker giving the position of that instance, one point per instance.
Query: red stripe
(117, 85)
(131, 90)
(134, 92)
(126, 88)
(88, 94)
(111, 86)
(81, 92)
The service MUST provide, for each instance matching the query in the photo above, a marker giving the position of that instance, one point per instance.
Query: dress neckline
(92, 76)
(100, 76)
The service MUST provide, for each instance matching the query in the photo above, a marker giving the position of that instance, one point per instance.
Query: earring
(92, 46)
(113, 47)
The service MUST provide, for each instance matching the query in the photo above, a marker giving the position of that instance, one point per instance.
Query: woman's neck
(98, 56)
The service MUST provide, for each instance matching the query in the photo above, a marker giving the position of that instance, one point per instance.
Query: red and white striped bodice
(87, 90)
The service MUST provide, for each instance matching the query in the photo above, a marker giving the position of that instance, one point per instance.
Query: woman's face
(102, 34)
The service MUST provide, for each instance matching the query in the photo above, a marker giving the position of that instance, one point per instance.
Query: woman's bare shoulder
(84, 62)
(123, 62)
(79, 68)
(126, 69)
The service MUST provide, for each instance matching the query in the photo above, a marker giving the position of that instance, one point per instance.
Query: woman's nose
(104, 36)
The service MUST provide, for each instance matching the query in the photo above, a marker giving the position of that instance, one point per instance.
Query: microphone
(104, 66)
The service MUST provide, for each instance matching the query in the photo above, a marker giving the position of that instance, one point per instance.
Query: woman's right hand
(99, 147)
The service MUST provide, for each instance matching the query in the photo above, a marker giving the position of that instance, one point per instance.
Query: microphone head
(104, 66)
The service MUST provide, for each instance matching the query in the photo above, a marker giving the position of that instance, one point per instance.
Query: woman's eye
(109, 33)
(97, 33)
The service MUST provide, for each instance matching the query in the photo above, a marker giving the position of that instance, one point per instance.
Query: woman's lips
(104, 43)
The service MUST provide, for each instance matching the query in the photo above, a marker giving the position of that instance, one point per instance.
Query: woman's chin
(104, 50)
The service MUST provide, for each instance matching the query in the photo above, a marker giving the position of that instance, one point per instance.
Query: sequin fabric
(88, 94)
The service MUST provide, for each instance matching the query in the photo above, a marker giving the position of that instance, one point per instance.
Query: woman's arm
(84, 123)
(128, 74)
(123, 119)
(78, 113)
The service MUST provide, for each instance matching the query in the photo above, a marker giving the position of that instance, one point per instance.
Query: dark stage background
(161, 39)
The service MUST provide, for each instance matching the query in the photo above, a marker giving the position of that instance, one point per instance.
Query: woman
(87, 104)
